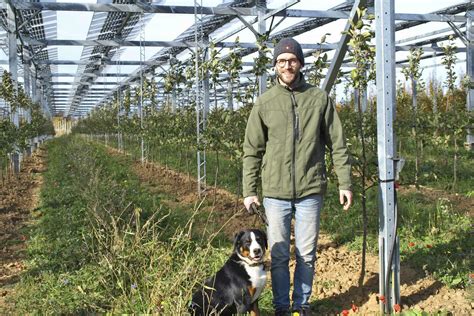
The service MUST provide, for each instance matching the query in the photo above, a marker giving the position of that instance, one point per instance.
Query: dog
(236, 287)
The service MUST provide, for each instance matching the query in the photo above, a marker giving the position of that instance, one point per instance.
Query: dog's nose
(257, 251)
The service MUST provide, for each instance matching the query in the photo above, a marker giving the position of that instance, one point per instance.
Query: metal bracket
(399, 163)
(342, 48)
(458, 32)
(244, 21)
(27, 21)
(254, 20)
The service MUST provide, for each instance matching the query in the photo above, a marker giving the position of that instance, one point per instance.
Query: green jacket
(286, 138)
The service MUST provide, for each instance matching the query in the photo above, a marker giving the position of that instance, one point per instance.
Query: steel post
(199, 99)
(205, 82)
(262, 29)
(470, 73)
(26, 80)
(13, 65)
(342, 47)
(386, 93)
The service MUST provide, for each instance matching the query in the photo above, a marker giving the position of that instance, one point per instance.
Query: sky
(166, 27)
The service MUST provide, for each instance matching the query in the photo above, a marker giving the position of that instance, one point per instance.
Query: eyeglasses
(282, 62)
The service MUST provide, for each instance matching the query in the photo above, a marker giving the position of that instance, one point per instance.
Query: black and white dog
(236, 287)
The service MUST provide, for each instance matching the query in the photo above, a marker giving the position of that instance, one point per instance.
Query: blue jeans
(279, 213)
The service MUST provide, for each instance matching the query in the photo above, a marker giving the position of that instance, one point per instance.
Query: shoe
(282, 312)
(301, 312)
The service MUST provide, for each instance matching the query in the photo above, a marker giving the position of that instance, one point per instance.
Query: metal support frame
(251, 22)
(428, 34)
(435, 86)
(414, 92)
(357, 100)
(140, 106)
(230, 95)
(186, 44)
(342, 47)
(27, 85)
(262, 29)
(34, 84)
(172, 61)
(28, 9)
(221, 10)
(205, 81)
(458, 32)
(199, 101)
(25, 23)
(13, 64)
(364, 100)
(119, 109)
(360, 96)
(470, 73)
(389, 255)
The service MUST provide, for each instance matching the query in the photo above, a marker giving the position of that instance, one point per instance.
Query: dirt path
(19, 196)
(336, 283)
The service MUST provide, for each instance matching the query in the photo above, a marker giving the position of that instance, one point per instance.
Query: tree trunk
(455, 163)
(216, 175)
(364, 191)
(414, 129)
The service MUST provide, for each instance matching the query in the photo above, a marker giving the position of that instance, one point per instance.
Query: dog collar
(256, 264)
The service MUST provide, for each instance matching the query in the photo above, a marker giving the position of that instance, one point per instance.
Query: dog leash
(255, 210)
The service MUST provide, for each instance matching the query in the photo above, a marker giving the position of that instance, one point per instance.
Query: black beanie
(288, 45)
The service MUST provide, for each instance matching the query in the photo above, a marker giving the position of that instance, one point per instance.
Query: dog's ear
(237, 238)
(264, 236)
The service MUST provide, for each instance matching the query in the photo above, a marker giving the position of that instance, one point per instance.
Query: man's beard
(281, 78)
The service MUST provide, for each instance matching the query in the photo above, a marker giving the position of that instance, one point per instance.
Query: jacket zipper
(295, 138)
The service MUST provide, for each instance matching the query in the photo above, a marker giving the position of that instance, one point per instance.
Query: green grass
(441, 235)
(436, 238)
(225, 174)
(436, 167)
(105, 244)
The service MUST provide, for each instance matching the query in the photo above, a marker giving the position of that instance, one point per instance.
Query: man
(287, 133)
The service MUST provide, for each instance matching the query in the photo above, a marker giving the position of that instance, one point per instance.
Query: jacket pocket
(315, 176)
(271, 167)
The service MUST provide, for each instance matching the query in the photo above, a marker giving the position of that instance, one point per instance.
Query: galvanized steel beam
(92, 75)
(430, 17)
(85, 83)
(389, 275)
(200, 98)
(425, 35)
(441, 15)
(470, 74)
(342, 47)
(182, 44)
(262, 29)
(13, 67)
(452, 10)
(156, 8)
(458, 32)
(132, 8)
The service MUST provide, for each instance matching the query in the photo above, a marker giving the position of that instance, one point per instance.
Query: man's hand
(249, 200)
(345, 198)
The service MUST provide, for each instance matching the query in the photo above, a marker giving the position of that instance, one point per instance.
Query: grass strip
(104, 244)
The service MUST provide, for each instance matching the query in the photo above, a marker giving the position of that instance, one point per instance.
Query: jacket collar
(299, 85)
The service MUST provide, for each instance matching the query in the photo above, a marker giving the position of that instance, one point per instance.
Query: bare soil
(19, 196)
(338, 269)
